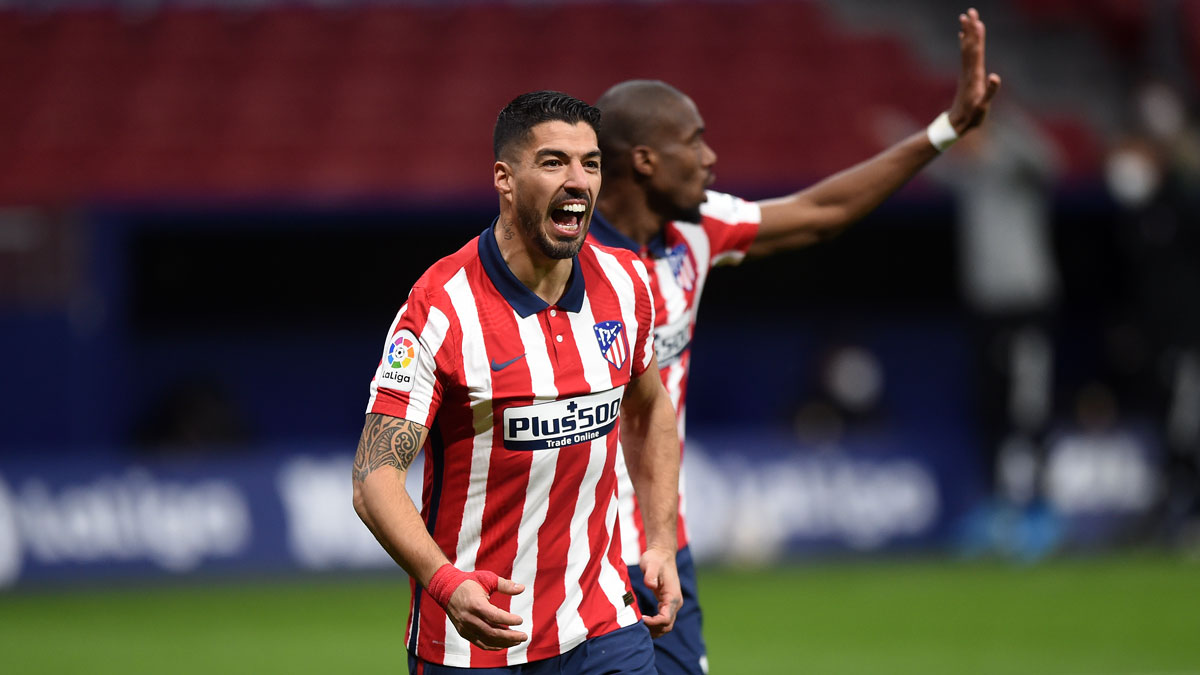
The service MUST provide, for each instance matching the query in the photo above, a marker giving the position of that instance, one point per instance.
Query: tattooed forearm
(387, 441)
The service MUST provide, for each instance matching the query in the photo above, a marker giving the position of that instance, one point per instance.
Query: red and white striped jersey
(679, 261)
(521, 400)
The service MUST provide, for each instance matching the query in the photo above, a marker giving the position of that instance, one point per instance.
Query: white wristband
(941, 133)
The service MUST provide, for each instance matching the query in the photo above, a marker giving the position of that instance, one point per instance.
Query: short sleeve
(643, 348)
(408, 381)
(731, 224)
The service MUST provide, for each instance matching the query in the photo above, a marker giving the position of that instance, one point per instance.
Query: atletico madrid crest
(610, 335)
(681, 266)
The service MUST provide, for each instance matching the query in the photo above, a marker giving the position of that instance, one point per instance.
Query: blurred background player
(511, 359)
(1002, 178)
(657, 168)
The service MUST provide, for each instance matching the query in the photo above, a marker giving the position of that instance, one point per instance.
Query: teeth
(574, 208)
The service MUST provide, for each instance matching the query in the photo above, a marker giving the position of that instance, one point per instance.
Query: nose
(576, 176)
(708, 156)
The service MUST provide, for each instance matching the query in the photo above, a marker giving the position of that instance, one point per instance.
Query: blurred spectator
(1101, 473)
(847, 394)
(1153, 174)
(1002, 179)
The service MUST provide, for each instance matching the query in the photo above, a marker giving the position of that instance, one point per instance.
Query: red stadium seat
(403, 96)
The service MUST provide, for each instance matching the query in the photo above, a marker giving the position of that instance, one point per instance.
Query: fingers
(975, 86)
(670, 599)
(487, 636)
(496, 640)
(509, 587)
(972, 73)
(496, 616)
(471, 600)
(487, 626)
(993, 86)
(479, 621)
(660, 624)
(971, 37)
(668, 607)
(971, 23)
(660, 576)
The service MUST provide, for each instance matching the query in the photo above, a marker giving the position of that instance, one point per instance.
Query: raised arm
(651, 444)
(386, 449)
(826, 208)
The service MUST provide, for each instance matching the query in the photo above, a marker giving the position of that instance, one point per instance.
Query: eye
(552, 163)
(592, 165)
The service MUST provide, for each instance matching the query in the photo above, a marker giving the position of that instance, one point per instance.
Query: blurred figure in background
(655, 202)
(845, 393)
(1002, 179)
(1153, 174)
(1100, 474)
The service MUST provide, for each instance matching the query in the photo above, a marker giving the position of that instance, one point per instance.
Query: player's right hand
(479, 621)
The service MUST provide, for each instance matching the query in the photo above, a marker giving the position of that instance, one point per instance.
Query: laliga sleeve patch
(399, 364)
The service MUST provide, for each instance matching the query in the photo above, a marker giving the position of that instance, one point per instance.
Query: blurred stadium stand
(209, 210)
(324, 102)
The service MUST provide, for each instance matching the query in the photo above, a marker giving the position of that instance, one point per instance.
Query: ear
(502, 179)
(644, 160)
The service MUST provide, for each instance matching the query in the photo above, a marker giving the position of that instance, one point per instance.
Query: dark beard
(662, 205)
(528, 220)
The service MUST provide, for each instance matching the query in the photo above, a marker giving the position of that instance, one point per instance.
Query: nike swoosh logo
(502, 366)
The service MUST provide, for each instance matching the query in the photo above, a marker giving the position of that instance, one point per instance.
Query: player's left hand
(976, 86)
(658, 569)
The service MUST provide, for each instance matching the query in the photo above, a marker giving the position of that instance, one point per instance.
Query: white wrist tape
(941, 133)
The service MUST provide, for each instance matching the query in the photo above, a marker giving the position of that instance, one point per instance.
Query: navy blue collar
(608, 235)
(524, 301)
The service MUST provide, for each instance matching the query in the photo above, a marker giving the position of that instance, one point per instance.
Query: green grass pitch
(1132, 615)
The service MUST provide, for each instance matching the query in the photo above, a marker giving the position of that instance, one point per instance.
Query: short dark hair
(523, 113)
(636, 112)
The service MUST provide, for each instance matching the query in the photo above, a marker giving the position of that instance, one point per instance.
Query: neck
(626, 209)
(546, 277)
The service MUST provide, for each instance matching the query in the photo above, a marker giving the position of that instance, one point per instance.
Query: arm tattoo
(387, 441)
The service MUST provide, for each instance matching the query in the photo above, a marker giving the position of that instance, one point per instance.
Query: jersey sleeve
(731, 224)
(408, 383)
(643, 348)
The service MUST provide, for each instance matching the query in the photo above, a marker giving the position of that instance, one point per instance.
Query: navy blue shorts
(682, 651)
(625, 651)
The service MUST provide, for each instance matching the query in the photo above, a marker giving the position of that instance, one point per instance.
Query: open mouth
(568, 218)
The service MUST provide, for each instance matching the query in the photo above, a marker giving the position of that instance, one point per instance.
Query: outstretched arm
(651, 446)
(828, 207)
(386, 448)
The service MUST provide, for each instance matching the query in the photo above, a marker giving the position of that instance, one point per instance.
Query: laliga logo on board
(610, 335)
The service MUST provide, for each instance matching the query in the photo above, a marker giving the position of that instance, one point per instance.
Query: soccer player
(657, 168)
(509, 364)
